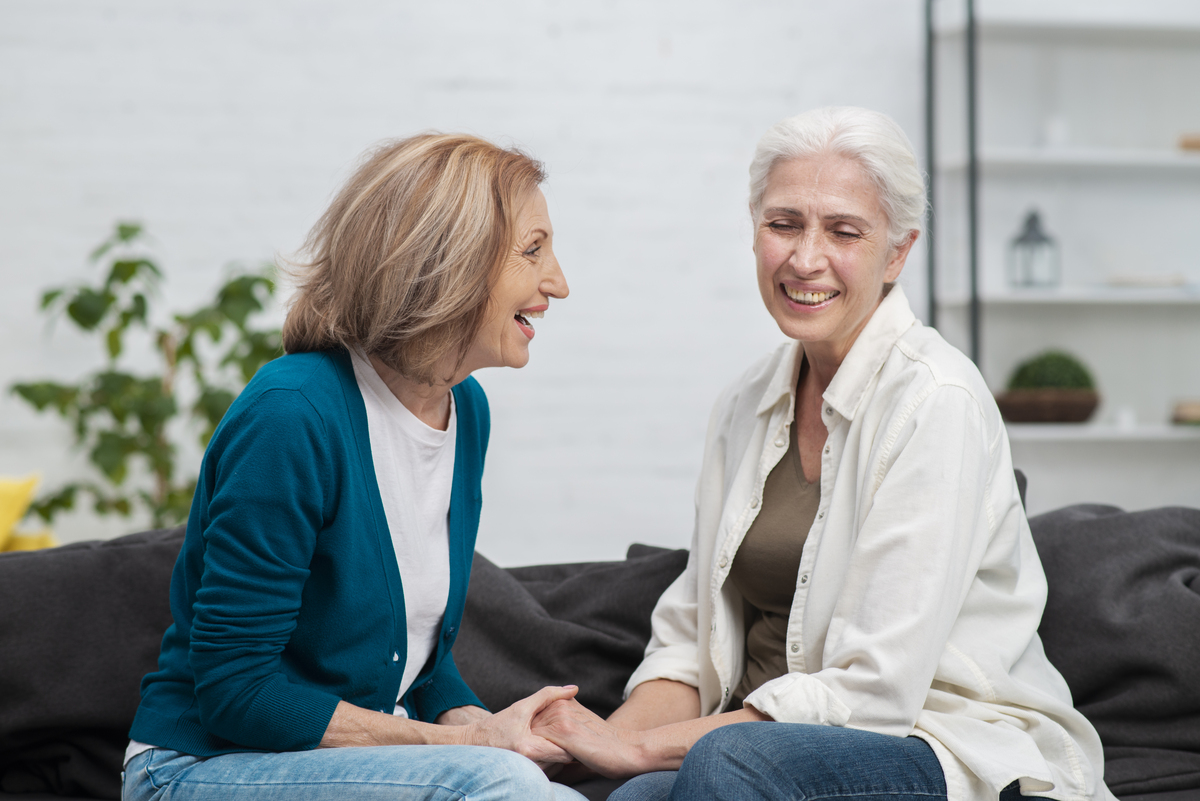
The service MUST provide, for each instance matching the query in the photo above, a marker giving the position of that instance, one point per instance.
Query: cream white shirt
(919, 590)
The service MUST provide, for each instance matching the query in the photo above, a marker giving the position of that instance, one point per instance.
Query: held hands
(512, 728)
(597, 744)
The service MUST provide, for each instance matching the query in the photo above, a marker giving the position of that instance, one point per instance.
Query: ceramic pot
(1047, 405)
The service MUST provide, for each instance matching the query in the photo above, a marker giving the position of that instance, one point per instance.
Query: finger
(542, 751)
(547, 696)
(555, 710)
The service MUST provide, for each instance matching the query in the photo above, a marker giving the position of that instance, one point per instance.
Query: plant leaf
(88, 307)
(110, 454)
(113, 338)
(128, 231)
(50, 296)
(43, 394)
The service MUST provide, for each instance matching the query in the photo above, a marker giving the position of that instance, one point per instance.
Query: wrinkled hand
(512, 728)
(594, 742)
(462, 716)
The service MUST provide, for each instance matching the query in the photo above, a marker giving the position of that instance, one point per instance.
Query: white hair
(872, 139)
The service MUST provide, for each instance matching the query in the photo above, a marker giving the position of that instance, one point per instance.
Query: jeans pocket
(166, 765)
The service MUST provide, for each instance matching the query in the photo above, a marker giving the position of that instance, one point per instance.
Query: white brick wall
(225, 126)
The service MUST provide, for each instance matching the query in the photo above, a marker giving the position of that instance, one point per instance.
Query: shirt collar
(868, 353)
(866, 356)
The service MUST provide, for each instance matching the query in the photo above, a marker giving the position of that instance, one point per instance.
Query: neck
(429, 403)
(826, 356)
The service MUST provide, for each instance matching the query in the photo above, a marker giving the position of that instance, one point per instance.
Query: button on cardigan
(919, 590)
(286, 596)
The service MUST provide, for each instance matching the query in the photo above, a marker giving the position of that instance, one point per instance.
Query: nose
(809, 257)
(553, 283)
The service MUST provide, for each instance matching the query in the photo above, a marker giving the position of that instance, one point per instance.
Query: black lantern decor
(1033, 256)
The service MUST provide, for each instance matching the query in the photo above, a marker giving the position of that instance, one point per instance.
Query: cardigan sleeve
(444, 690)
(270, 477)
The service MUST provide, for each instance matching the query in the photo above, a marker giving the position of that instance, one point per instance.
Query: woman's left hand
(609, 751)
(511, 728)
(462, 716)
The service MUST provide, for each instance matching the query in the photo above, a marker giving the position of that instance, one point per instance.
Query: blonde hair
(403, 261)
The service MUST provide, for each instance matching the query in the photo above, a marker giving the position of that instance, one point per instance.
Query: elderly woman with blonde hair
(324, 571)
(859, 613)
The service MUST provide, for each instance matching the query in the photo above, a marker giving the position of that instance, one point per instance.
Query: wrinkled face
(821, 246)
(528, 279)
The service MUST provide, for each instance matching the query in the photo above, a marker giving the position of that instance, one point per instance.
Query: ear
(899, 256)
(753, 229)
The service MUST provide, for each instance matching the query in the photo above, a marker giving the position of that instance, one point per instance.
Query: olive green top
(765, 567)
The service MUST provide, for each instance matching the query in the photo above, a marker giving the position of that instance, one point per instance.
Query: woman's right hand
(512, 728)
(595, 743)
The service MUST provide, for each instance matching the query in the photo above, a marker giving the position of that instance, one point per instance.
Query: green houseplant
(1052, 387)
(129, 423)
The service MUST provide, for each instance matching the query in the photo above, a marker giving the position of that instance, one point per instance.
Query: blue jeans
(408, 772)
(768, 760)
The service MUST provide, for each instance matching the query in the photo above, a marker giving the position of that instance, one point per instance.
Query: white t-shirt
(414, 465)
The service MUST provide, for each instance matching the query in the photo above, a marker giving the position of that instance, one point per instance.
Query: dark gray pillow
(79, 627)
(1122, 624)
(587, 624)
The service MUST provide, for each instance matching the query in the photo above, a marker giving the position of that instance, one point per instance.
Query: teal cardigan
(286, 596)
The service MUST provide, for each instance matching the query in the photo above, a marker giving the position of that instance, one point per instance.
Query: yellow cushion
(15, 497)
(30, 542)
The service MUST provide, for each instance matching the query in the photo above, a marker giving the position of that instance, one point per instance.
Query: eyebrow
(847, 218)
(828, 218)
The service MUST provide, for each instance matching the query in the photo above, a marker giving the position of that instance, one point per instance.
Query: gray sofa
(80, 625)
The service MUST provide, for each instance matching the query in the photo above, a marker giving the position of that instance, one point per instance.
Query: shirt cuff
(799, 698)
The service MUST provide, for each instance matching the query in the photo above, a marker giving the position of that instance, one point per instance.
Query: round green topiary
(1052, 369)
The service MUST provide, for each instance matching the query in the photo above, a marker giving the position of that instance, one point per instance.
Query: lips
(523, 318)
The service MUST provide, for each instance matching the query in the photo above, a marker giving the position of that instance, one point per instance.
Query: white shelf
(1147, 21)
(1101, 432)
(1065, 31)
(1080, 161)
(1188, 295)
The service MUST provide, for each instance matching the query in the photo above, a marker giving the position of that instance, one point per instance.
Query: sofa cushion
(81, 625)
(587, 624)
(1122, 624)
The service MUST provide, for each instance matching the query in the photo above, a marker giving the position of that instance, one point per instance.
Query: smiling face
(821, 246)
(529, 277)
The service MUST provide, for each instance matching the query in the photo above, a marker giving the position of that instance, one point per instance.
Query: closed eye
(533, 251)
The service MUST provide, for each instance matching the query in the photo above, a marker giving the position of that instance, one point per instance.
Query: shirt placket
(775, 445)
(796, 653)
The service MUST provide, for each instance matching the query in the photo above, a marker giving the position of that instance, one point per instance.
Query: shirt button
(804, 578)
(826, 450)
(828, 410)
(780, 442)
(713, 628)
(820, 515)
(795, 648)
(396, 656)
(754, 503)
(724, 561)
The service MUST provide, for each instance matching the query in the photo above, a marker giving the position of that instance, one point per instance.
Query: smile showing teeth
(808, 298)
(524, 317)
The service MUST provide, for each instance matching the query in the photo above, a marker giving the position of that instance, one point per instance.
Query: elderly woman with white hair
(859, 612)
